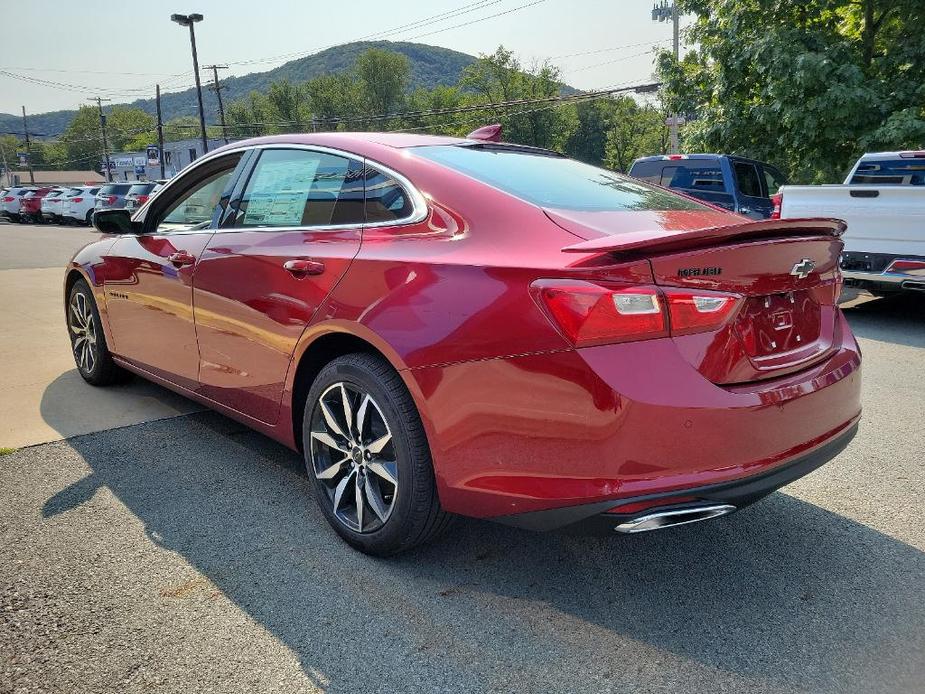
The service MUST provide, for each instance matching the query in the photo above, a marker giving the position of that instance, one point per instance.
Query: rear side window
(386, 200)
(293, 188)
(906, 172)
(552, 181)
(747, 179)
(140, 189)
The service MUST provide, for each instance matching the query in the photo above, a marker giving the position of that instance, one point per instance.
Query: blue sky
(89, 47)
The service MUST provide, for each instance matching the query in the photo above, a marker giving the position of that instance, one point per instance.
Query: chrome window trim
(418, 202)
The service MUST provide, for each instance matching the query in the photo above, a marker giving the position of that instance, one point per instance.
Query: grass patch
(6, 451)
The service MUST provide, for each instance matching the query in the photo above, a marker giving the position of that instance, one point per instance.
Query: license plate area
(778, 324)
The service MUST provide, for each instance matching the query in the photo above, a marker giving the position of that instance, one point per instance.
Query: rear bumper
(594, 519)
(604, 425)
(870, 271)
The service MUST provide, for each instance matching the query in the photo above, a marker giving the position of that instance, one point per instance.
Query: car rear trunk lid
(785, 273)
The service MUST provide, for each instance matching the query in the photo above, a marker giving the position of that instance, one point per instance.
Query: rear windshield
(907, 172)
(141, 189)
(117, 189)
(551, 181)
(684, 174)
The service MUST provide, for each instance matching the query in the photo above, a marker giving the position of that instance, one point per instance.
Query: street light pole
(661, 11)
(189, 20)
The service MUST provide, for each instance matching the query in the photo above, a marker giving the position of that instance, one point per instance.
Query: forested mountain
(431, 66)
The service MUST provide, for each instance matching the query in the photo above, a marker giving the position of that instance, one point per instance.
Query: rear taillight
(110, 199)
(142, 199)
(77, 199)
(698, 311)
(8, 199)
(776, 201)
(589, 313)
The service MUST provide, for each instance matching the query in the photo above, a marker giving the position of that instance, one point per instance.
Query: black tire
(412, 509)
(88, 341)
(89, 219)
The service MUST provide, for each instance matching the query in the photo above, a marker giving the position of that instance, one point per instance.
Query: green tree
(633, 131)
(806, 84)
(500, 77)
(383, 78)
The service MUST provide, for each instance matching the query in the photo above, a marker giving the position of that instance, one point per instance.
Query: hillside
(430, 66)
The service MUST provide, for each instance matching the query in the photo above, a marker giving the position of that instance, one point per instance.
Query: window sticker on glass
(279, 191)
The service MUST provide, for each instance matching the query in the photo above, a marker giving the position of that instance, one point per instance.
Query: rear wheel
(88, 343)
(367, 455)
(89, 218)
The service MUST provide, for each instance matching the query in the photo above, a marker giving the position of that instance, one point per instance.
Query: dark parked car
(733, 183)
(112, 196)
(452, 326)
(139, 193)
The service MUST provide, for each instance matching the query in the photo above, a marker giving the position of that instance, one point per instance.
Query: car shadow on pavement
(784, 595)
(897, 319)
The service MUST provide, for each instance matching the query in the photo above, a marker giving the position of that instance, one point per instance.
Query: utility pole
(217, 88)
(160, 130)
(99, 104)
(189, 20)
(662, 11)
(25, 127)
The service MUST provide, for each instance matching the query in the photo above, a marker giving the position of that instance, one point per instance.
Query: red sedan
(455, 326)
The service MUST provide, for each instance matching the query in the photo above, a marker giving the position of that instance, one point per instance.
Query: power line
(433, 19)
(475, 21)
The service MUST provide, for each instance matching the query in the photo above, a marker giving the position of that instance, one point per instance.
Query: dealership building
(145, 166)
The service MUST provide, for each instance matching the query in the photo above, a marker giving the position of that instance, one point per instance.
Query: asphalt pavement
(185, 555)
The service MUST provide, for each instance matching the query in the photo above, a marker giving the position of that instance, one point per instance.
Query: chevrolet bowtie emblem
(803, 268)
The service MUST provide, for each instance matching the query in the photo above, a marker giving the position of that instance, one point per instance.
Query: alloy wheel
(353, 457)
(83, 332)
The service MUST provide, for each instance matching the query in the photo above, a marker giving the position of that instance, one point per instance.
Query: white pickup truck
(883, 202)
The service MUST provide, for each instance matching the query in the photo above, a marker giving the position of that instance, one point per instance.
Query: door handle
(301, 267)
(181, 258)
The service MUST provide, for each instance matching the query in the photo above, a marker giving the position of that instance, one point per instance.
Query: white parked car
(883, 202)
(51, 204)
(11, 201)
(79, 206)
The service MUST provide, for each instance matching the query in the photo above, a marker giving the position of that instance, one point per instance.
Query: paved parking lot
(184, 555)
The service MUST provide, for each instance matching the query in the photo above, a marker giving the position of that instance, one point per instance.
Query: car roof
(879, 156)
(359, 141)
(703, 156)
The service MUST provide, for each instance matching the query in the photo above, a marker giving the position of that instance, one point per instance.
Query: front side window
(773, 179)
(552, 181)
(298, 188)
(194, 207)
(747, 179)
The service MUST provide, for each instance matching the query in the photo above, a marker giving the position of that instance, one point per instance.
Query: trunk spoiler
(658, 240)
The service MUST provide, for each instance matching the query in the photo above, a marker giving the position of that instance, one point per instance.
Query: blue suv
(734, 183)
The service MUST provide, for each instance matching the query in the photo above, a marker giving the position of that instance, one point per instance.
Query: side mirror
(115, 222)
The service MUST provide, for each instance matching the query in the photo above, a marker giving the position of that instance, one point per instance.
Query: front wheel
(368, 457)
(88, 342)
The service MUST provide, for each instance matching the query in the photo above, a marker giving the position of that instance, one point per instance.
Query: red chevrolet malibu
(455, 326)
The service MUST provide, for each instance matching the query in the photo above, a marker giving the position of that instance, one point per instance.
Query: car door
(149, 281)
(292, 230)
(751, 198)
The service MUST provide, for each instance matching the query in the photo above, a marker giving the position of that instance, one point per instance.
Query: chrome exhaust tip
(669, 519)
(913, 285)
